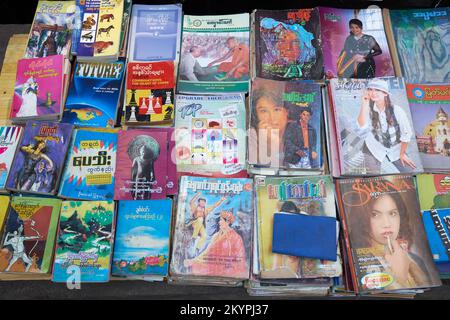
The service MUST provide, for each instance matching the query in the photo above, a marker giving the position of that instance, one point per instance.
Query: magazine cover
(422, 42)
(94, 94)
(433, 191)
(437, 228)
(141, 168)
(354, 43)
(374, 127)
(39, 88)
(308, 195)
(210, 135)
(84, 241)
(215, 54)
(141, 245)
(213, 230)
(29, 235)
(149, 93)
(385, 237)
(155, 32)
(40, 158)
(288, 45)
(285, 125)
(9, 139)
(430, 109)
(90, 166)
(51, 31)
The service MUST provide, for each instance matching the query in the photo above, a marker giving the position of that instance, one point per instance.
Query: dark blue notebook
(304, 236)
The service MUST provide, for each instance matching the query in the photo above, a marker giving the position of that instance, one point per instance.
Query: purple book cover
(141, 168)
(39, 87)
(40, 157)
(343, 41)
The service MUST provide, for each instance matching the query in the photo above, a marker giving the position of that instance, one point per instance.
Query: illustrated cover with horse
(84, 242)
(9, 139)
(29, 236)
(40, 157)
(101, 25)
(141, 168)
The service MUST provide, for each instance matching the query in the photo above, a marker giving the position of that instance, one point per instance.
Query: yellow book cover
(4, 204)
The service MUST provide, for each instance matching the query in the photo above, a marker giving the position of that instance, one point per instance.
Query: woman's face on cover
(355, 30)
(376, 95)
(384, 220)
(270, 115)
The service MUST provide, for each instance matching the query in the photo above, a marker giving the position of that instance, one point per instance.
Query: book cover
(385, 237)
(288, 44)
(39, 88)
(421, 41)
(433, 191)
(29, 235)
(149, 93)
(213, 229)
(127, 7)
(312, 195)
(84, 241)
(354, 43)
(101, 26)
(437, 228)
(210, 135)
(9, 139)
(374, 128)
(94, 94)
(285, 125)
(155, 33)
(40, 157)
(430, 109)
(90, 166)
(141, 245)
(51, 31)
(4, 206)
(141, 168)
(215, 54)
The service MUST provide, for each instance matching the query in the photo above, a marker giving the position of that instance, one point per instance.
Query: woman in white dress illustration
(28, 107)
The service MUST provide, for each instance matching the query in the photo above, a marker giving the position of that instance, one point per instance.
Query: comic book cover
(213, 229)
(101, 26)
(90, 166)
(141, 168)
(9, 139)
(155, 32)
(280, 110)
(39, 88)
(430, 109)
(4, 206)
(29, 235)
(312, 195)
(141, 246)
(210, 135)
(422, 43)
(288, 44)
(84, 241)
(40, 157)
(51, 31)
(149, 93)
(94, 94)
(374, 128)
(354, 43)
(215, 54)
(385, 238)
(433, 191)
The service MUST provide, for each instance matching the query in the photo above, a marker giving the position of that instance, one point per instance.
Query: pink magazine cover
(141, 168)
(39, 88)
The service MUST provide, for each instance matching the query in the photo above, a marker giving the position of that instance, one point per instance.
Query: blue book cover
(90, 166)
(94, 94)
(304, 236)
(155, 33)
(142, 238)
(437, 228)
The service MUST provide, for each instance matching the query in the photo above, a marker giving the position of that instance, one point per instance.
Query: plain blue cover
(304, 236)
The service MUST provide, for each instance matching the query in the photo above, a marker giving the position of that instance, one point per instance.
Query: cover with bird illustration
(141, 168)
(141, 247)
(90, 166)
(39, 89)
(40, 157)
(9, 139)
(94, 94)
(29, 235)
(84, 241)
